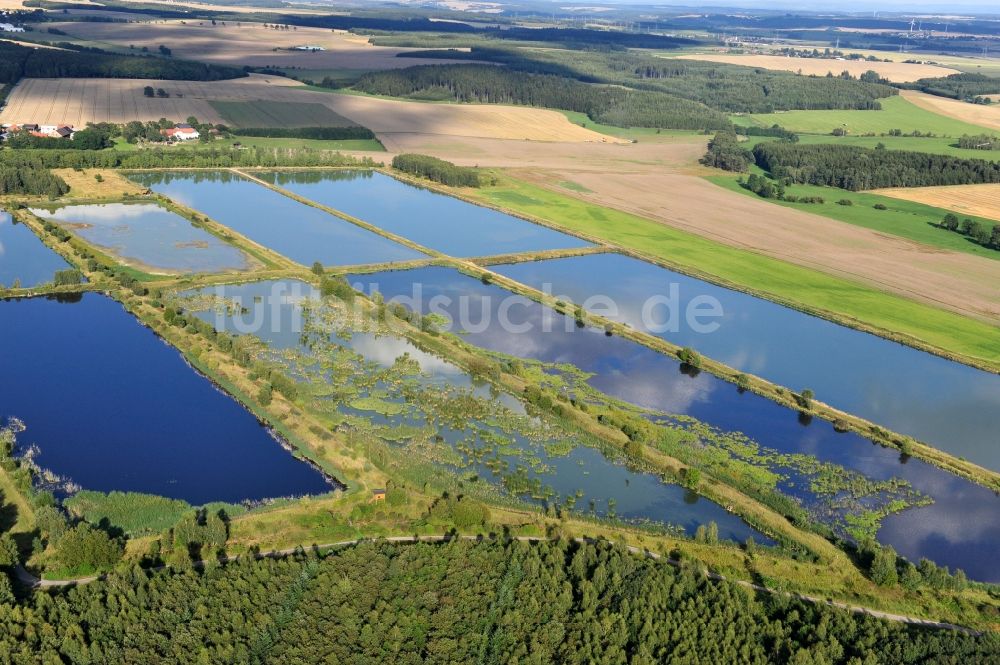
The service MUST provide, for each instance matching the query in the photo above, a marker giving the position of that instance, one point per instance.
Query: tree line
(318, 133)
(723, 87)
(494, 601)
(987, 235)
(857, 168)
(966, 86)
(18, 61)
(487, 84)
(151, 158)
(437, 170)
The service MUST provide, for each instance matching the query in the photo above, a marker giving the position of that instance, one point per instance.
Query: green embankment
(809, 290)
(906, 219)
(897, 113)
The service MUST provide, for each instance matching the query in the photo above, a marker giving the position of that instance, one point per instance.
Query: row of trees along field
(983, 234)
(857, 168)
(548, 602)
(165, 158)
(486, 84)
(724, 87)
(18, 61)
(317, 133)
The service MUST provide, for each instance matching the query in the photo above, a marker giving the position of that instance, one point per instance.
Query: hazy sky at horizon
(909, 6)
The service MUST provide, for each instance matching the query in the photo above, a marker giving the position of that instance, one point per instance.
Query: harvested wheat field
(78, 101)
(390, 117)
(675, 154)
(977, 114)
(84, 184)
(886, 262)
(978, 200)
(899, 72)
(238, 44)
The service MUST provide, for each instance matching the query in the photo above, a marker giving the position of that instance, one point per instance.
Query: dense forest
(19, 61)
(728, 88)
(437, 170)
(497, 602)
(487, 84)
(856, 168)
(29, 180)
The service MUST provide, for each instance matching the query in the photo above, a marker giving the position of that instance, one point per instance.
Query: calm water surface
(946, 404)
(300, 232)
(112, 407)
(23, 257)
(961, 529)
(430, 219)
(148, 235)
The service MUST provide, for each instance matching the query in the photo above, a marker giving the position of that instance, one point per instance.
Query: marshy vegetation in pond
(748, 440)
(428, 420)
(437, 221)
(111, 407)
(149, 237)
(298, 231)
(25, 261)
(944, 403)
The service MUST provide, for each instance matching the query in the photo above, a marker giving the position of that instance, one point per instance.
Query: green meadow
(896, 113)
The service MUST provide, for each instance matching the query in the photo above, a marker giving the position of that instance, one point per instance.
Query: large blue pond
(960, 529)
(112, 407)
(24, 259)
(949, 405)
(300, 232)
(273, 312)
(433, 220)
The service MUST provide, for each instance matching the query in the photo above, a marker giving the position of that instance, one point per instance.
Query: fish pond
(148, 237)
(434, 220)
(302, 233)
(949, 405)
(439, 422)
(109, 406)
(24, 259)
(856, 487)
